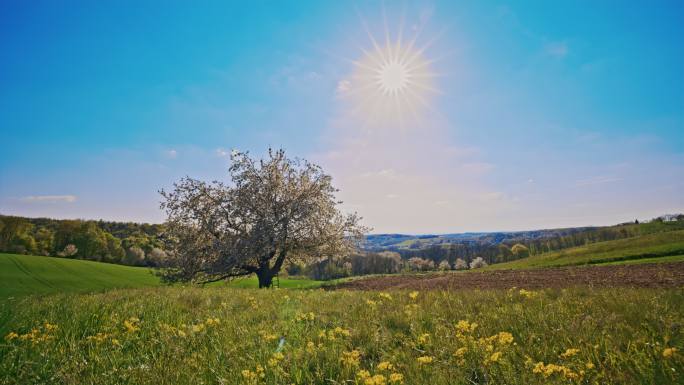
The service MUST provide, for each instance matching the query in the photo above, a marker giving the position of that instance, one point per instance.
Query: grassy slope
(27, 274)
(666, 245)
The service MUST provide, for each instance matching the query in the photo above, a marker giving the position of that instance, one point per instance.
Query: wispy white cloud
(596, 180)
(171, 154)
(49, 199)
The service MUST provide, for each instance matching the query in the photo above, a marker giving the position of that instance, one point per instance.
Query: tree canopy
(274, 210)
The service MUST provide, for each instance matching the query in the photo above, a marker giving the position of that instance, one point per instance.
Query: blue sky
(547, 114)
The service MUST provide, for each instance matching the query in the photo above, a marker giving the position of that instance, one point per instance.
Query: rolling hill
(27, 274)
(655, 247)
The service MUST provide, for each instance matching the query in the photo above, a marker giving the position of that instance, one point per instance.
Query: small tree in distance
(460, 264)
(275, 210)
(478, 263)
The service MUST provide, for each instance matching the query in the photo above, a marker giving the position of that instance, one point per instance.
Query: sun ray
(392, 84)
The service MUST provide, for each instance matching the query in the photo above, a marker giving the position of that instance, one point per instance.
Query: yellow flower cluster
(669, 352)
(333, 334)
(305, 316)
(460, 352)
(267, 337)
(424, 360)
(493, 358)
(36, 335)
(501, 338)
(132, 324)
(253, 376)
(569, 353)
(551, 369)
(213, 321)
(424, 338)
(351, 358)
(366, 378)
(275, 359)
(464, 327)
(385, 296)
(413, 295)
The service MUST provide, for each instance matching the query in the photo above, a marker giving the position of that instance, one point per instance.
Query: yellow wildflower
(528, 293)
(424, 360)
(385, 296)
(464, 326)
(343, 332)
(197, 328)
(11, 335)
(589, 365)
(460, 352)
(669, 352)
(351, 358)
(213, 321)
(377, 379)
(424, 338)
(413, 295)
(131, 324)
(310, 347)
(363, 374)
(569, 353)
(260, 371)
(50, 327)
(116, 342)
(550, 369)
(276, 358)
(385, 366)
(370, 302)
(396, 378)
(505, 338)
(310, 316)
(494, 357)
(249, 375)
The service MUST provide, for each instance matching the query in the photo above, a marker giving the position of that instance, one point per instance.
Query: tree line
(124, 243)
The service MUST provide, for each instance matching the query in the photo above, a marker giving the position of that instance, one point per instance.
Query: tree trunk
(265, 276)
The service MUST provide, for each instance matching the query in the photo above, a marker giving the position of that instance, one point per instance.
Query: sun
(392, 83)
(393, 77)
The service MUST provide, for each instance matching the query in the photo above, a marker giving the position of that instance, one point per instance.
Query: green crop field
(667, 245)
(174, 335)
(27, 274)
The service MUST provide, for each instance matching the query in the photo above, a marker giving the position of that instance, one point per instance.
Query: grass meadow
(246, 336)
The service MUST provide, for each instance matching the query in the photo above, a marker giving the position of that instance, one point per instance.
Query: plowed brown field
(656, 275)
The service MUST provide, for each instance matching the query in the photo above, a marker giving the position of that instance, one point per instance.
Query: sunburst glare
(392, 84)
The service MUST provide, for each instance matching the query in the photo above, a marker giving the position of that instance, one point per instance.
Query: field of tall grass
(244, 336)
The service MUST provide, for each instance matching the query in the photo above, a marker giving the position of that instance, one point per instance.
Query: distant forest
(127, 243)
(140, 244)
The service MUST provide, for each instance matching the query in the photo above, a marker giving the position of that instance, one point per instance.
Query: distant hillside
(655, 247)
(404, 241)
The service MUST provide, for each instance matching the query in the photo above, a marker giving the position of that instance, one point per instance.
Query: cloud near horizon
(49, 199)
